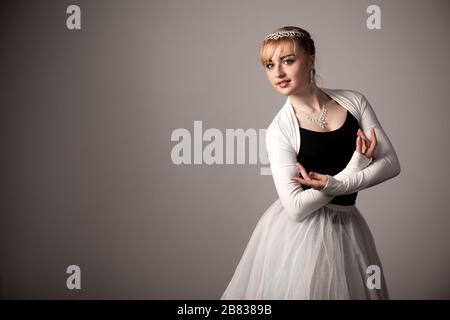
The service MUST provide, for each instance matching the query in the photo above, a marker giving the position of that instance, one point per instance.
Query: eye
(269, 65)
(289, 61)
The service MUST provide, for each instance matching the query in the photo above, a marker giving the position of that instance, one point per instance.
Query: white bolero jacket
(283, 145)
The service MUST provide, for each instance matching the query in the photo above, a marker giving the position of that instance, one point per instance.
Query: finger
(364, 137)
(314, 175)
(373, 134)
(364, 146)
(374, 142)
(302, 171)
(318, 183)
(298, 167)
(358, 144)
(301, 181)
(317, 176)
(297, 179)
(362, 134)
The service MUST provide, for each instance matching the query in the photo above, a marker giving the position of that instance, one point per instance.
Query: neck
(309, 99)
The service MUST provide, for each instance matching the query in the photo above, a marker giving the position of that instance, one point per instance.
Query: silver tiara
(285, 33)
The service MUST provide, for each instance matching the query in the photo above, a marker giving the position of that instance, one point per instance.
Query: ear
(312, 59)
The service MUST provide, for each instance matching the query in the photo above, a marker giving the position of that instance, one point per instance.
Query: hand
(364, 145)
(314, 180)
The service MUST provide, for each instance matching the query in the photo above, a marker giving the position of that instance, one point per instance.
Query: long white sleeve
(297, 202)
(385, 164)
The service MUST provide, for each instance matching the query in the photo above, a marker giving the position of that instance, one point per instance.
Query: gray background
(87, 118)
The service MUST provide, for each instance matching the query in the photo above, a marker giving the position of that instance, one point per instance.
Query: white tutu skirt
(325, 256)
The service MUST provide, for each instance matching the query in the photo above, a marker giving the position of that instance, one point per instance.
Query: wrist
(359, 161)
(331, 186)
(327, 182)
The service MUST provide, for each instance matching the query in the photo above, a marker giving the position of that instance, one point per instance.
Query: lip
(283, 82)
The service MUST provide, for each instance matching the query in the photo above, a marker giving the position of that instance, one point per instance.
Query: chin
(285, 92)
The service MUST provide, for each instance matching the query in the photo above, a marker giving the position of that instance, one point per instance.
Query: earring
(311, 75)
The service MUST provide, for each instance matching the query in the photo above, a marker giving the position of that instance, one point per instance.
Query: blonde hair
(269, 46)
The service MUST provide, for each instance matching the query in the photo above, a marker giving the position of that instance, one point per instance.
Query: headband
(285, 33)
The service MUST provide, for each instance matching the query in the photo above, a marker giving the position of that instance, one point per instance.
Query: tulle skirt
(325, 256)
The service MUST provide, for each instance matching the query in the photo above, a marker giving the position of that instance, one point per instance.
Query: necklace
(320, 120)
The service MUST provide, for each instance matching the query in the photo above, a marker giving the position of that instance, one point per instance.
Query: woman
(312, 242)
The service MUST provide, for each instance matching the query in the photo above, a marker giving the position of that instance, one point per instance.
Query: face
(288, 72)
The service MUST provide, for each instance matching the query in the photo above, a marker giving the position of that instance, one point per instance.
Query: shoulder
(278, 120)
(279, 128)
(353, 99)
(351, 95)
(368, 117)
(274, 127)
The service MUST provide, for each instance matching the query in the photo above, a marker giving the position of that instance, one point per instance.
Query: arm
(385, 164)
(297, 202)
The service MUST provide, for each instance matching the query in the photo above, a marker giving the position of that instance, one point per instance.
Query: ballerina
(313, 242)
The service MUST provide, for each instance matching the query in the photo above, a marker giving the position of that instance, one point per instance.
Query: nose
(279, 73)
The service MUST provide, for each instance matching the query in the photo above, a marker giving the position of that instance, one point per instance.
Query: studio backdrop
(133, 139)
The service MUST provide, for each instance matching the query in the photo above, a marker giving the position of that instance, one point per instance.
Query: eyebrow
(288, 55)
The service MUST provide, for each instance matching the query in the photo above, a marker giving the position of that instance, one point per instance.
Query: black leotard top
(329, 152)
